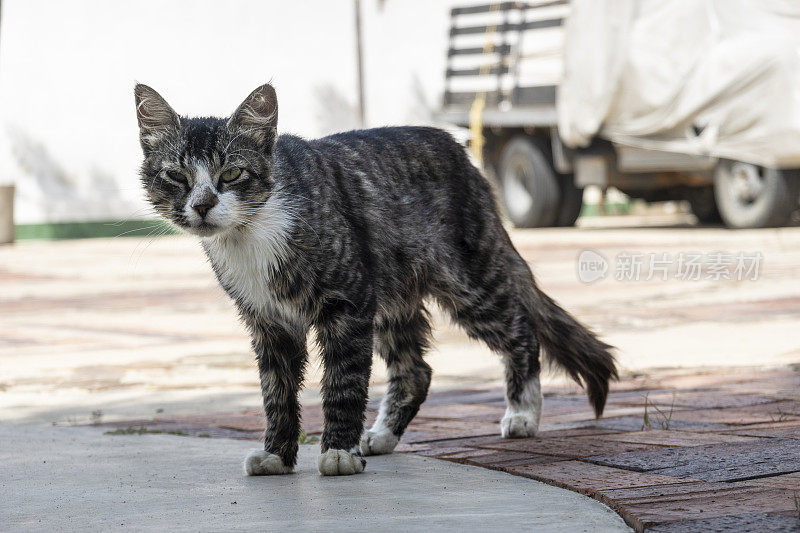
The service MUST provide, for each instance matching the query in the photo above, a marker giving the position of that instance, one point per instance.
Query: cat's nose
(203, 205)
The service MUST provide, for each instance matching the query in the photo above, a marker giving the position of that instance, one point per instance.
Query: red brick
(786, 481)
(730, 461)
(589, 478)
(404, 447)
(676, 438)
(495, 459)
(753, 522)
(694, 399)
(573, 447)
(770, 412)
(676, 502)
(787, 429)
(470, 412)
(446, 452)
(439, 429)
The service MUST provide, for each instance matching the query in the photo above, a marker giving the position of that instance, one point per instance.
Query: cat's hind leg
(490, 307)
(510, 332)
(401, 342)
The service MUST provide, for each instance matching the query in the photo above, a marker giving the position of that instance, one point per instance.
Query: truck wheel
(749, 196)
(571, 201)
(529, 185)
(704, 205)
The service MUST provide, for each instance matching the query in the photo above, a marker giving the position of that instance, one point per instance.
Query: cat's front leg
(281, 355)
(346, 340)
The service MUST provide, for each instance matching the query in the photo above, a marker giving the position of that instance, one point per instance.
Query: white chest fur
(247, 261)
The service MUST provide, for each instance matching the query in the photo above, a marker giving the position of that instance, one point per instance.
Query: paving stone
(634, 423)
(420, 434)
(747, 523)
(732, 461)
(785, 481)
(676, 438)
(440, 429)
(546, 433)
(468, 412)
(413, 436)
(787, 429)
(404, 447)
(472, 441)
(466, 396)
(584, 414)
(235, 421)
(460, 456)
(503, 458)
(444, 452)
(741, 381)
(763, 413)
(705, 399)
(688, 501)
(572, 447)
(589, 478)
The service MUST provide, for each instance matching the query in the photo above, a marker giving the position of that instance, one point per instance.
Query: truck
(667, 100)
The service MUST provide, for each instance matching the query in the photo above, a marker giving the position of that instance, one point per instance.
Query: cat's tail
(574, 348)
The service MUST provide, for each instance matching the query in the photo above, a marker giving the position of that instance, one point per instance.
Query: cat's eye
(231, 175)
(176, 176)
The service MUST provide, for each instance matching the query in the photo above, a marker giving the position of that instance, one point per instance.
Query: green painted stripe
(87, 230)
(615, 208)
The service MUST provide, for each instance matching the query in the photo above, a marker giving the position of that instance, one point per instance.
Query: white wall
(67, 70)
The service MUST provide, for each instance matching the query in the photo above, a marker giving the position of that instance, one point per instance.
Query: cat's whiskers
(154, 226)
(152, 238)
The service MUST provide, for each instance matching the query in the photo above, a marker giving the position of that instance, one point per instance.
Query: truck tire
(529, 186)
(749, 196)
(571, 203)
(704, 205)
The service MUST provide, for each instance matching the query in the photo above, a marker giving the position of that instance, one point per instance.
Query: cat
(351, 235)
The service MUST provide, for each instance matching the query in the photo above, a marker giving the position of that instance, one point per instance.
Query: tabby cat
(351, 235)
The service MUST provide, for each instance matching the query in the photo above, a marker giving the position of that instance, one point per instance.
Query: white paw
(378, 442)
(340, 463)
(262, 463)
(519, 425)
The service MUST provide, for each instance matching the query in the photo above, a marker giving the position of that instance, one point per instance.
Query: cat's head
(207, 175)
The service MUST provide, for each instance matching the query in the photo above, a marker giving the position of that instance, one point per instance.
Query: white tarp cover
(715, 77)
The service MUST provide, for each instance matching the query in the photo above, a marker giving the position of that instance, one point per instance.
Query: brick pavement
(716, 451)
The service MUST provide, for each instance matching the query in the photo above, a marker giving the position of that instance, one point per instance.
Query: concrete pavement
(78, 479)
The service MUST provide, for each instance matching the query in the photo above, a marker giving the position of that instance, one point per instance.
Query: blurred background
(624, 138)
(71, 143)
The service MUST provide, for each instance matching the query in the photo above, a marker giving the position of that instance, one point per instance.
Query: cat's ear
(156, 118)
(257, 117)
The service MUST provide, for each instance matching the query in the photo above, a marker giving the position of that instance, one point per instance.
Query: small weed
(797, 505)
(646, 419)
(305, 439)
(142, 430)
(204, 435)
(781, 416)
(665, 421)
(96, 417)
